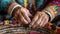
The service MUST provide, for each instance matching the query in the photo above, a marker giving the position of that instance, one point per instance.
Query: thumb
(29, 14)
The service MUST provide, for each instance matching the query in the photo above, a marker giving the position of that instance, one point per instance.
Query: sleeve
(8, 6)
(4, 4)
(52, 9)
(21, 2)
(40, 4)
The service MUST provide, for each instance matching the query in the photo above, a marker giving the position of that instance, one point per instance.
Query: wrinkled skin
(38, 20)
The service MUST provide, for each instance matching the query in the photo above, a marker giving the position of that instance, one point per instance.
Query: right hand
(22, 16)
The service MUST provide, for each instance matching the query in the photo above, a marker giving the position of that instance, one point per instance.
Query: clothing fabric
(7, 6)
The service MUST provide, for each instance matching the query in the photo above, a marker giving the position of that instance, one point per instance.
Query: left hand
(39, 20)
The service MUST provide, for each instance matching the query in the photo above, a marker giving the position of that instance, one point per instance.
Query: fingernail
(29, 21)
(34, 27)
(30, 26)
(26, 23)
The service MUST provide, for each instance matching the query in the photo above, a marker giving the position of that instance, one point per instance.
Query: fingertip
(29, 21)
(30, 26)
(34, 26)
(30, 15)
(26, 22)
(43, 25)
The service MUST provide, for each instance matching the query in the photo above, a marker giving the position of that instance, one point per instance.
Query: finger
(15, 17)
(38, 22)
(19, 20)
(34, 26)
(29, 14)
(27, 11)
(41, 23)
(45, 21)
(25, 15)
(34, 20)
(22, 18)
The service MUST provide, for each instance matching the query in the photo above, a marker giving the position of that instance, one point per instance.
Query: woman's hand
(39, 20)
(22, 16)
